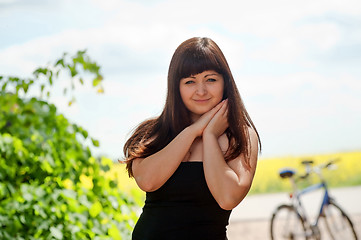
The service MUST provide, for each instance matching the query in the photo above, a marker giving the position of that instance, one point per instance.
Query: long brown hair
(193, 56)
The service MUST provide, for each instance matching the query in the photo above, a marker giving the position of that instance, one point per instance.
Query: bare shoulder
(253, 141)
(253, 147)
(252, 138)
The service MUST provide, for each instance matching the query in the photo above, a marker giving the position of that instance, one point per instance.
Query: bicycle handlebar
(322, 165)
(329, 163)
(310, 168)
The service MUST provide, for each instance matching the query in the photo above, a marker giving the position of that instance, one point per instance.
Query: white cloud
(300, 42)
(323, 35)
(24, 58)
(8, 1)
(283, 51)
(136, 42)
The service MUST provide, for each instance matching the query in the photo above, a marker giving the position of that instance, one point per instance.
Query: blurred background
(296, 65)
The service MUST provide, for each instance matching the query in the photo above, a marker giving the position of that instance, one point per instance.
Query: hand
(219, 122)
(203, 121)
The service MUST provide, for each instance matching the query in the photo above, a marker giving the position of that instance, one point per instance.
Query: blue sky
(296, 63)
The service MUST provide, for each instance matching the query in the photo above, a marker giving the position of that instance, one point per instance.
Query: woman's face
(201, 92)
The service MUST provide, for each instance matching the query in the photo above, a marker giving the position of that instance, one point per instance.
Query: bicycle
(290, 221)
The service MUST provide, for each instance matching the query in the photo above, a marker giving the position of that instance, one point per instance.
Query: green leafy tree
(51, 186)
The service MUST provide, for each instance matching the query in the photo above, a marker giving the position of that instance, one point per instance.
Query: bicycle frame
(325, 200)
(290, 220)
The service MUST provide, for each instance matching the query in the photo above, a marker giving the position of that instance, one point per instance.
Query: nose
(201, 89)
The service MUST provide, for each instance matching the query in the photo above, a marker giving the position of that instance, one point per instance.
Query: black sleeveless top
(182, 209)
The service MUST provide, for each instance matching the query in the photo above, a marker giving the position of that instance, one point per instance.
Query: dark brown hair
(193, 56)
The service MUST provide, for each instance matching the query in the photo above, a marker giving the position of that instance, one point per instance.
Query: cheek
(223, 91)
(183, 94)
(220, 92)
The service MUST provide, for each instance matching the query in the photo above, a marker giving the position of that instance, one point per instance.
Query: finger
(225, 112)
(227, 109)
(221, 104)
(215, 109)
(210, 114)
(224, 107)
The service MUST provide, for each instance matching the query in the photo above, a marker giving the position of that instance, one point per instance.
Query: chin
(202, 112)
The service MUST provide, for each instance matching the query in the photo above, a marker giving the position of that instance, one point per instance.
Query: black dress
(182, 209)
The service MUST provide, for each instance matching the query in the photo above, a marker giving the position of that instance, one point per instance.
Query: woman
(196, 161)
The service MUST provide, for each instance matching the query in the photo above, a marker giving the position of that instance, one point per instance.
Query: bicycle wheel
(287, 223)
(338, 224)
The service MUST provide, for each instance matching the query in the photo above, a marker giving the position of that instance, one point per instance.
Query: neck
(195, 117)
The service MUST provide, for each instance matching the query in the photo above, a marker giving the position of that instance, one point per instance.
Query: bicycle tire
(338, 223)
(287, 223)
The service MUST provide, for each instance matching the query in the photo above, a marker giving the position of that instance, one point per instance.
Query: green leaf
(114, 232)
(25, 87)
(3, 88)
(83, 132)
(46, 167)
(73, 70)
(95, 142)
(39, 71)
(60, 62)
(41, 151)
(14, 79)
(95, 209)
(51, 78)
(96, 81)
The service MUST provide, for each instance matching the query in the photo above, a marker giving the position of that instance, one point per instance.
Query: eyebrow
(211, 74)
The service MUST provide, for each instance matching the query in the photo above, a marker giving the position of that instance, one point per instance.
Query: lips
(201, 100)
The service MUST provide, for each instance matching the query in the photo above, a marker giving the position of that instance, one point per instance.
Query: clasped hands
(214, 122)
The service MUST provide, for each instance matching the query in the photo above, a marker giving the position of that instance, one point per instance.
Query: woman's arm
(152, 172)
(229, 182)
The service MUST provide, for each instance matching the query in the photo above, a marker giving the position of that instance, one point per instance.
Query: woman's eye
(189, 82)
(211, 80)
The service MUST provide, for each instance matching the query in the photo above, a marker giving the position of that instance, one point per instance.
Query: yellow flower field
(347, 173)
(267, 180)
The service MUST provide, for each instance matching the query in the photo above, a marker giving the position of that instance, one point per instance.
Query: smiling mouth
(201, 100)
